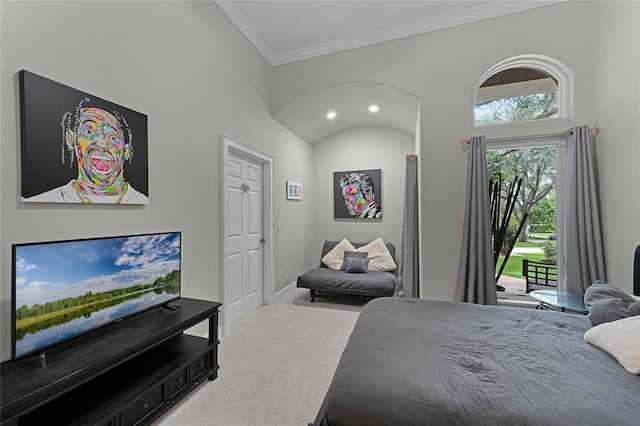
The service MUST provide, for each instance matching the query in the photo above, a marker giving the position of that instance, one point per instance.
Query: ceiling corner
(232, 12)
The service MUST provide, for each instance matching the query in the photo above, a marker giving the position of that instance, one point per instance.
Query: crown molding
(229, 8)
(498, 8)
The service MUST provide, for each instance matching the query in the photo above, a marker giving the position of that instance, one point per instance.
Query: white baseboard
(282, 294)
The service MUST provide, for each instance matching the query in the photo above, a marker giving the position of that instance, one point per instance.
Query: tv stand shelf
(125, 373)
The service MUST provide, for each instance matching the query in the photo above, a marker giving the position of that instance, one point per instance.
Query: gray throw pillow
(357, 265)
(607, 302)
(352, 254)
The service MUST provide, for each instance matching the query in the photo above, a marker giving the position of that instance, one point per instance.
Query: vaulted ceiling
(288, 31)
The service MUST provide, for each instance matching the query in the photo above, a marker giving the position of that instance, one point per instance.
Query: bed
(422, 362)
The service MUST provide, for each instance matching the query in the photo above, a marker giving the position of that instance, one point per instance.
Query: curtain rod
(464, 143)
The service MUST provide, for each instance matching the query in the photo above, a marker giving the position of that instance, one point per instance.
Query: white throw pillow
(621, 339)
(335, 257)
(380, 259)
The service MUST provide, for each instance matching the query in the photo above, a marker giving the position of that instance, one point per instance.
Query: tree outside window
(537, 168)
(516, 94)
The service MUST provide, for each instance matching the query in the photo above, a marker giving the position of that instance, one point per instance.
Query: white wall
(187, 67)
(360, 148)
(294, 247)
(616, 110)
(442, 67)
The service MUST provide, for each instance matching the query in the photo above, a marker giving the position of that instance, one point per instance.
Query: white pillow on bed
(621, 339)
(335, 257)
(379, 257)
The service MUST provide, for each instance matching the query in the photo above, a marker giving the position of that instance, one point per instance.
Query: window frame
(546, 64)
(561, 178)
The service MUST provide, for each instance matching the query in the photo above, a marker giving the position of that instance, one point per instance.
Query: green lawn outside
(528, 244)
(514, 265)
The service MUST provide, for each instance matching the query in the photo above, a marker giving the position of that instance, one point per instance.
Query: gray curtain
(583, 254)
(409, 268)
(476, 273)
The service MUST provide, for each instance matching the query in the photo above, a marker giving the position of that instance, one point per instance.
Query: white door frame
(229, 145)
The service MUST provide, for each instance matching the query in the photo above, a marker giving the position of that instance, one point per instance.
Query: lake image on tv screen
(67, 288)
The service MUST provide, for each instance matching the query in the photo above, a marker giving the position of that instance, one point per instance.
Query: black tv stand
(171, 306)
(127, 373)
(42, 360)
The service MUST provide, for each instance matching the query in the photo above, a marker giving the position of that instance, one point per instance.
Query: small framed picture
(294, 190)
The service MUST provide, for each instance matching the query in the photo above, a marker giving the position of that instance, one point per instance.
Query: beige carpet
(342, 302)
(276, 364)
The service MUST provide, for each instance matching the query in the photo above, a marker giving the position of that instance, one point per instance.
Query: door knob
(262, 241)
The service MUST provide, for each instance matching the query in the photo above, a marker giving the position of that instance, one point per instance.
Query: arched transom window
(523, 88)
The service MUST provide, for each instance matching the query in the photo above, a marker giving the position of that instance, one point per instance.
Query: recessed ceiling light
(373, 108)
(331, 115)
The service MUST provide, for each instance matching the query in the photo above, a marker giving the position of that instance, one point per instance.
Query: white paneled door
(245, 261)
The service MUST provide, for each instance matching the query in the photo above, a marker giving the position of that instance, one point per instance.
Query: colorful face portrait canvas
(78, 148)
(357, 194)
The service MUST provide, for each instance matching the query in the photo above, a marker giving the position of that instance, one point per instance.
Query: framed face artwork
(357, 194)
(78, 148)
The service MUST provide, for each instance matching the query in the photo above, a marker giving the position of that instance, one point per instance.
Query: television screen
(63, 289)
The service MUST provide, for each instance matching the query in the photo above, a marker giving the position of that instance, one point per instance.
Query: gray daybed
(323, 280)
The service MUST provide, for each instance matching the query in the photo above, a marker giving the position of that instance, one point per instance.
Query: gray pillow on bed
(357, 265)
(607, 302)
(352, 254)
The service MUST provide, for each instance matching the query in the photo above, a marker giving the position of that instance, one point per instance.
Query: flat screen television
(63, 289)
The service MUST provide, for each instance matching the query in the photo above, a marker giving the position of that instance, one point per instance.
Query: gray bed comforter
(420, 362)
